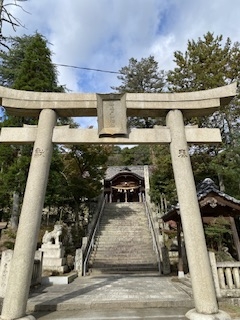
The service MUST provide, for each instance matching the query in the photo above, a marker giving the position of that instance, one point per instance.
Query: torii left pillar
(14, 306)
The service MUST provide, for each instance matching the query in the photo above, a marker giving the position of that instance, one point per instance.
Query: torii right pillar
(206, 306)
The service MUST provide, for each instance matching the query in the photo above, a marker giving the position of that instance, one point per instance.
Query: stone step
(125, 214)
(121, 256)
(122, 267)
(126, 254)
(122, 237)
(130, 221)
(123, 261)
(138, 246)
(125, 222)
(121, 227)
(124, 230)
(122, 246)
(124, 218)
(124, 241)
(111, 252)
(132, 249)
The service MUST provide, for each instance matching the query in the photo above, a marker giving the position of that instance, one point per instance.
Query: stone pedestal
(220, 315)
(53, 257)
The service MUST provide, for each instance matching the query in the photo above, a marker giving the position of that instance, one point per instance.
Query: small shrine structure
(213, 203)
(126, 183)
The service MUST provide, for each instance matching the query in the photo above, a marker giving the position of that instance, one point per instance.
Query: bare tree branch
(7, 17)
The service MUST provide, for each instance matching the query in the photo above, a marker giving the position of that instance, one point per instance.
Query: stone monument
(4, 270)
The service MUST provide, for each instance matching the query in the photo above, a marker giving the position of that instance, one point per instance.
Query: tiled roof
(204, 188)
(207, 186)
(114, 170)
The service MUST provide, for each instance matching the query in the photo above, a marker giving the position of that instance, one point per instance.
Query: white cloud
(105, 34)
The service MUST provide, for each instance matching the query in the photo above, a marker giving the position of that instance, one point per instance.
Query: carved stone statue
(53, 237)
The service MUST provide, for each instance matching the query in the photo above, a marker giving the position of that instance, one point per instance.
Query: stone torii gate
(112, 111)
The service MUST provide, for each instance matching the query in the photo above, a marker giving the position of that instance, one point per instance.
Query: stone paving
(132, 291)
(121, 314)
(113, 297)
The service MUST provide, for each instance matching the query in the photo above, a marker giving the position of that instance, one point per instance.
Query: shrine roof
(112, 171)
(207, 186)
(208, 194)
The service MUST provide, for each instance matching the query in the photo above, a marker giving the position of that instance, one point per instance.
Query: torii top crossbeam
(197, 103)
(112, 111)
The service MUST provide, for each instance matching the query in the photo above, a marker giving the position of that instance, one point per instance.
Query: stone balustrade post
(236, 277)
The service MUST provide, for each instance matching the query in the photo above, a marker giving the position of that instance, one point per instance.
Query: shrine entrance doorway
(125, 184)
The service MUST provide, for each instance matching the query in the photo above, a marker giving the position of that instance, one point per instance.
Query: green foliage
(10, 237)
(36, 71)
(201, 159)
(25, 66)
(227, 165)
(162, 179)
(216, 233)
(142, 77)
(84, 168)
(202, 66)
(210, 63)
(115, 156)
(138, 155)
(56, 189)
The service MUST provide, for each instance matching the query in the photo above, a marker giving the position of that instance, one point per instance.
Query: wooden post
(235, 236)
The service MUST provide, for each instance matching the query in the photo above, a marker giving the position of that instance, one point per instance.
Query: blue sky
(105, 34)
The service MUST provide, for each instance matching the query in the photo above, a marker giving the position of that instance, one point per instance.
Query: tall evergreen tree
(209, 63)
(36, 72)
(144, 76)
(25, 66)
(141, 76)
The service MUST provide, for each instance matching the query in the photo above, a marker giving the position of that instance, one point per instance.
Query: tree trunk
(15, 211)
(1, 9)
(221, 183)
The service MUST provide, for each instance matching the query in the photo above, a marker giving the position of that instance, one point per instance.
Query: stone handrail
(226, 277)
(91, 240)
(156, 247)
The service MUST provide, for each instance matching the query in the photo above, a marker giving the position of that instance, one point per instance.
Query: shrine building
(126, 183)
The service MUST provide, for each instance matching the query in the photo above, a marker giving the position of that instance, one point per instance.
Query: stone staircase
(124, 242)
